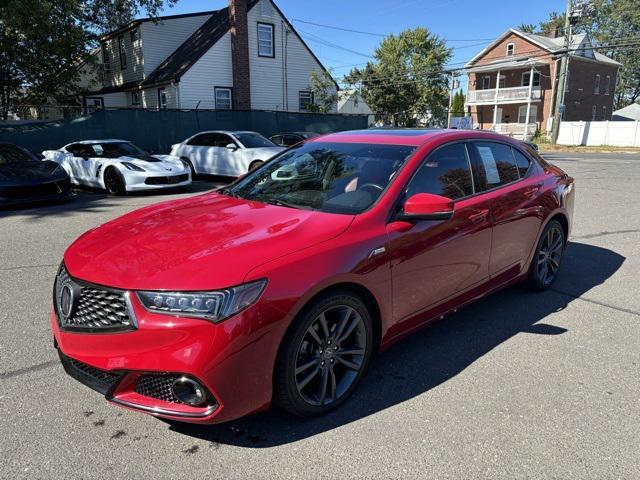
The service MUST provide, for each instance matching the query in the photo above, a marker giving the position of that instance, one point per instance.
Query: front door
(435, 260)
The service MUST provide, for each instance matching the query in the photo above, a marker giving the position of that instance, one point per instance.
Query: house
(511, 87)
(351, 102)
(246, 56)
(627, 114)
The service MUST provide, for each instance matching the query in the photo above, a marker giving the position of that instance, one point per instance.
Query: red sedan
(280, 287)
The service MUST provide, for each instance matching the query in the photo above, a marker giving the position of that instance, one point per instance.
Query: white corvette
(225, 153)
(119, 166)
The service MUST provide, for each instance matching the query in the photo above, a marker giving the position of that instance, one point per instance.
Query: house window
(607, 84)
(304, 100)
(223, 98)
(594, 111)
(266, 39)
(511, 48)
(596, 89)
(162, 98)
(106, 62)
(486, 83)
(525, 79)
(502, 81)
(604, 113)
(134, 35)
(135, 98)
(522, 114)
(122, 52)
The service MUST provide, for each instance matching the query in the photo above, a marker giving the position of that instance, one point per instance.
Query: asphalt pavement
(518, 385)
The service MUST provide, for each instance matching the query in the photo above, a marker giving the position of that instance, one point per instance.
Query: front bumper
(149, 181)
(233, 360)
(57, 190)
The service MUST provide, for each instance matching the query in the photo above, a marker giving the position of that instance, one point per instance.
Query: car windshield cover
(342, 178)
(253, 140)
(120, 149)
(14, 154)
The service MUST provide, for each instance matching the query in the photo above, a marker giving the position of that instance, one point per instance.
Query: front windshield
(13, 154)
(253, 140)
(330, 177)
(117, 149)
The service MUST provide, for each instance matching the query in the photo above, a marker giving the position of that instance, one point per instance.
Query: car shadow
(431, 356)
(95, 200)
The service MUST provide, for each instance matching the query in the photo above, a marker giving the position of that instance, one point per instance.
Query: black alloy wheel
(546, 261)
(324, 355)
(114, 182)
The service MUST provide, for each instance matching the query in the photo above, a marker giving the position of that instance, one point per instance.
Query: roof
(580, 44)
(113, 89)
(106, 140)
(138, 21)
(630, 112)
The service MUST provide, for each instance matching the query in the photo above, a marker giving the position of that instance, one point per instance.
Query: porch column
(526, 120)
(495, 101)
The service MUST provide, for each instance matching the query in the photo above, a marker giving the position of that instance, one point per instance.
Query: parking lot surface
(518, 385)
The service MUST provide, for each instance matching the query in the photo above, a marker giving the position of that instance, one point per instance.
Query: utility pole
(454, 85)
(562, 76)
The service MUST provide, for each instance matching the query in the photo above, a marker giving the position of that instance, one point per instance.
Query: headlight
(214, 306)
(131, 166)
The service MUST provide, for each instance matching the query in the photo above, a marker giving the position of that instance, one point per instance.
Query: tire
(255, 164)
(114, 182)
(308, 361)
(547, 257)
(193, 170)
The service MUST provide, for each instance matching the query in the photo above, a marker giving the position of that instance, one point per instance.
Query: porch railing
(503, 95)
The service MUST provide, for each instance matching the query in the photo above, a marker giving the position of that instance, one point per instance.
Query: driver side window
(203, 140)
(445, 172)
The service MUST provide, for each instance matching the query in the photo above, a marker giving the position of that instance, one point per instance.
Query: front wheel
(324, 355)
(255, 164)
(114, 182)
(547, 258)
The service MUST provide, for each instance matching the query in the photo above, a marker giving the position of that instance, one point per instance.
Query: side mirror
(232, 146)
(426, 206)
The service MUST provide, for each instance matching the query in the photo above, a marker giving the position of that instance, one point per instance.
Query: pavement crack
(596, 302)
(605, 233)
(20, 267)
(24, 371)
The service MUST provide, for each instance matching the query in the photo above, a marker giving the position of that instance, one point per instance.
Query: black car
(291, 138)
(25, 178)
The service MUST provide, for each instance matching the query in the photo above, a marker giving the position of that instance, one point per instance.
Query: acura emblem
(66, 300)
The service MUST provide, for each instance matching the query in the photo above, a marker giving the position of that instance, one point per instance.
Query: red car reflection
(280, 287)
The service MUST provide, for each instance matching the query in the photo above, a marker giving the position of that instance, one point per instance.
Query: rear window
(494, 165)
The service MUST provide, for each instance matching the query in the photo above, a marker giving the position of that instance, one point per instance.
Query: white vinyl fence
(616, 134)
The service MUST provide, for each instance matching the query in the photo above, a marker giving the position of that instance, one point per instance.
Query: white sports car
(225, 153)
(119, 166)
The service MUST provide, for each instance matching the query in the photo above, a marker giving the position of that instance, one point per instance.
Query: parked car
(288, 139)
(24, 178)
(281, 291)
(225, 153)
(119, 166)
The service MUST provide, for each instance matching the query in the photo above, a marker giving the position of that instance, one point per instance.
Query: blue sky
(466, 23)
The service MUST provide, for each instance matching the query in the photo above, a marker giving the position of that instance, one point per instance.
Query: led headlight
(131, 166)
(214, 306)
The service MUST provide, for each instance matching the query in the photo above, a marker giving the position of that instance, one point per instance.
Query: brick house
(245, 56)
(511, 87)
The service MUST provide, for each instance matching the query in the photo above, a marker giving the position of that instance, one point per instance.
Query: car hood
(264, 153)
(150, 163)
(30, 173)
(201, 243)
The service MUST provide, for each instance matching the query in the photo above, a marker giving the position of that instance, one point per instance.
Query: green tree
(43, 43)
(407, 83)
(457, 105)
(325, 92)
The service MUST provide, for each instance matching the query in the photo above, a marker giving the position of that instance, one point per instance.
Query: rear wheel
(114, 182)
(547, 258)
(324, 355)
(255, 164)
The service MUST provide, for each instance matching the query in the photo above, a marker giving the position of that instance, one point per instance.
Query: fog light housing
(189, 391)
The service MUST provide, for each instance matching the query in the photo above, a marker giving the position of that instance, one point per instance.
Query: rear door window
(493, 165)
(522, 162)
(445, 172)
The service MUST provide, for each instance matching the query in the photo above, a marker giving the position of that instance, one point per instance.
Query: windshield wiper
(280, 203)
(228, 192)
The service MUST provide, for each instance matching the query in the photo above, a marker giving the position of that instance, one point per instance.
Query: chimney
(555, 30)
(240, 54)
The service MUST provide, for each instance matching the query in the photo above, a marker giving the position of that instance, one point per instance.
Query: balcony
(504, 95)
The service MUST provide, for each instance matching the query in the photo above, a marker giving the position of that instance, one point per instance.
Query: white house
(246, 56)
(627, 114)
(351, 102)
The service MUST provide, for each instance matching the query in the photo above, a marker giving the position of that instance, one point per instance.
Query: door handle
(532, 191)
(479, 215)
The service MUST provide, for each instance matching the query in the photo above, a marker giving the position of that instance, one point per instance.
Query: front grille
(167, 180)
(31, 190)
(93, 308)
(157, 386)
(99, 380)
